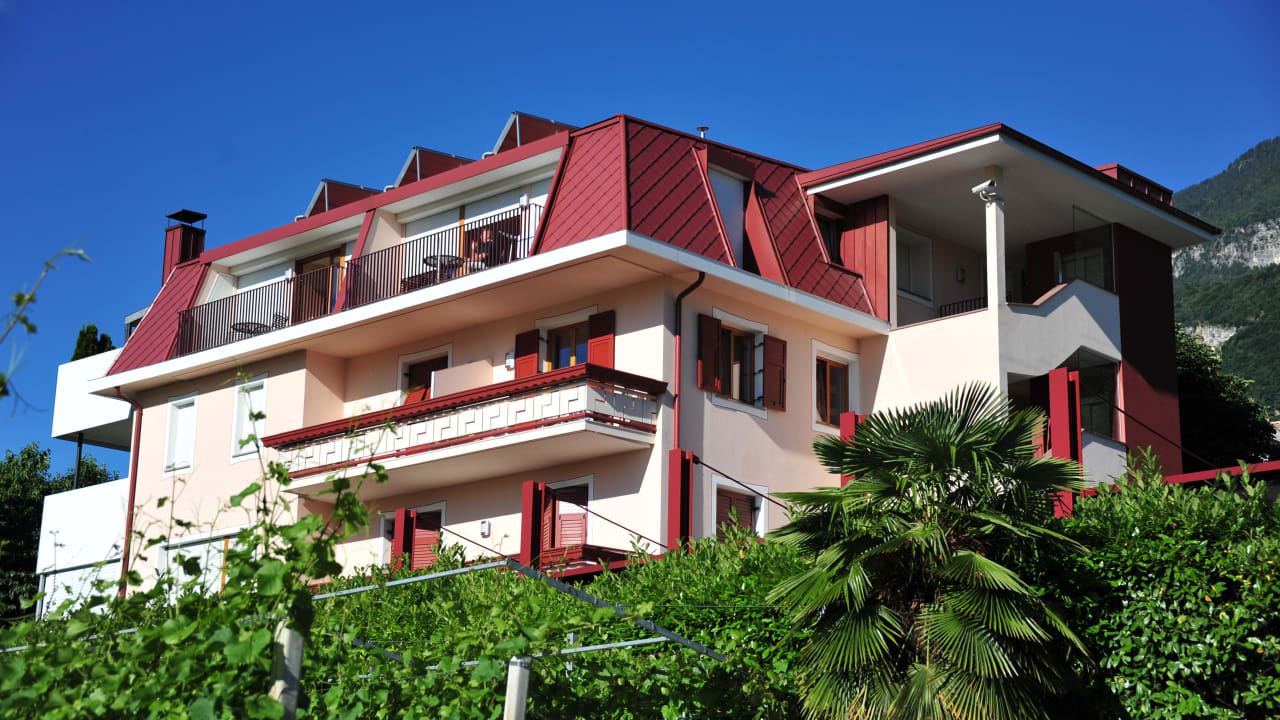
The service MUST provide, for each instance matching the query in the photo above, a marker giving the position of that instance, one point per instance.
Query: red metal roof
(587, 201)
(153, 341)
(523, 128)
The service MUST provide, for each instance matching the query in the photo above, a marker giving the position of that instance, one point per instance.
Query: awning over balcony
(552, 418)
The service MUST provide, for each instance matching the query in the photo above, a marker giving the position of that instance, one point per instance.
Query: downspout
(675, 382)
(133, 486)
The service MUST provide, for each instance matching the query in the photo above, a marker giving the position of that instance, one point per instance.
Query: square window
(829, 229)
(915, 265)
(567, 346)
(418, 378)
(737, 372)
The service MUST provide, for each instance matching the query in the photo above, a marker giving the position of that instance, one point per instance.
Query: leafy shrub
(1180, 597)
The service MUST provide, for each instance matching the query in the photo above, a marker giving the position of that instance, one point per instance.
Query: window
(731, 198)
(738, 361)
(1097, 398)
(180, 442)
(1085, 265)
(251, 398)
(915, 265)
(736, 376)
(735, 509)
(832, 390)
(829, 229)
(207, 557)
(564, 517)
(418, 378)
(566, 346)
(419, 531)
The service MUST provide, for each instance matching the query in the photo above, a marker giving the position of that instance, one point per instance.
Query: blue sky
(113, 116)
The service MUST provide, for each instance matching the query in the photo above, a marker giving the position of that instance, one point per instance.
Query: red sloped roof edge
(153, 341)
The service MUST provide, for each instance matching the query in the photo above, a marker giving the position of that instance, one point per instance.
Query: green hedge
(1179, 598)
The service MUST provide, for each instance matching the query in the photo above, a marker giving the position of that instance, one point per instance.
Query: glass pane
(839, 392)
(580, 345)
(821, 390)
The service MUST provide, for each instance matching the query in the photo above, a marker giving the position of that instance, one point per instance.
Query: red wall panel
(1148, 374)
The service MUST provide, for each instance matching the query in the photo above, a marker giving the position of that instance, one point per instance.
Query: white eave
(625, 251)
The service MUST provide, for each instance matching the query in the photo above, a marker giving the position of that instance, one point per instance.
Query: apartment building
(602, 336)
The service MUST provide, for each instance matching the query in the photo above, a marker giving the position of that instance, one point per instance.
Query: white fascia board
(503, 274)
(533, 265)
(902, 165)
(755, 283)
(1109, 188)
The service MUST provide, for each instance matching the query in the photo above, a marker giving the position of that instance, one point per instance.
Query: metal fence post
(286, 668)
(517, 687)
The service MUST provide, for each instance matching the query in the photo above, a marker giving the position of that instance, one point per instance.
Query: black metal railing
(441, 256)
(962, 306)
(261, 310)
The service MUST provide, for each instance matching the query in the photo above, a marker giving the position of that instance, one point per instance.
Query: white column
(996, 291)
(893, 263)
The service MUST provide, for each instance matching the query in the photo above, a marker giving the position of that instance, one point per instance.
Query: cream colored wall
(947, 257)
(776, 451)
(373, 381)
(923, 362)
(325, 388)
(385, 232)
(200, 496)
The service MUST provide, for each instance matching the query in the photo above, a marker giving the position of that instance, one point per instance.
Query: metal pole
(286, 668)
(75, 482)
(517, 688)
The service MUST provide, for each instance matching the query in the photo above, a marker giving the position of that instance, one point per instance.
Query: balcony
(412, 265)
(552, 418)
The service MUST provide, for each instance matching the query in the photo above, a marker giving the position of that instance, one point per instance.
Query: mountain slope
(1228, 290)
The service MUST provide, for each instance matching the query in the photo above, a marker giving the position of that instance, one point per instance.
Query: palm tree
(911, 605)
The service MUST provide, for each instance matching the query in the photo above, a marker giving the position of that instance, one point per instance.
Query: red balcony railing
(253, 312)
(432, 259)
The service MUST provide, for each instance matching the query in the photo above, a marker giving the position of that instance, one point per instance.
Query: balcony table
(444, 265)
(250, 328)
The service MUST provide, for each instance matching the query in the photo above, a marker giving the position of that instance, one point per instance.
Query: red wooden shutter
(548, 521)
(400, 537)
(426, 538)
(571, 520)
(746, 507)
(723, 504)
(527, 350)
(775, 373)
(708, 353)
(600, 331)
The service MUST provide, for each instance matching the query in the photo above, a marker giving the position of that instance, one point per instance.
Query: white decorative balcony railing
(582, 392)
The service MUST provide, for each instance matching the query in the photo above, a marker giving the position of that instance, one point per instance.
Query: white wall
(1034, 339)
(77, 529)
(76, 410)
(1104, 459)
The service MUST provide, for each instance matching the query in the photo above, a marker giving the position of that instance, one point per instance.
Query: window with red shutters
(734, 508)
(418, 378)
(564, 519)
(426, 538)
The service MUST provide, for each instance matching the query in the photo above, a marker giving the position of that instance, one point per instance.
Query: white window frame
(762, 506)
(248, 452)
(759, 330)
(849, 359)
(404, 361)
(169, 468)
(909, 237)
(389, 517)
(590, 482)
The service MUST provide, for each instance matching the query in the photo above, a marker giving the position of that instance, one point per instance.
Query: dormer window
(731, 197)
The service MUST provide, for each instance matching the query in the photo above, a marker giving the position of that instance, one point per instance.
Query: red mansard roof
(154, 339)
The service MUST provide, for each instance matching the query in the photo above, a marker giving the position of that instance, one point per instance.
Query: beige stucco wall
(384, 232)
(773, 451)
(947, 258)
(923, 362)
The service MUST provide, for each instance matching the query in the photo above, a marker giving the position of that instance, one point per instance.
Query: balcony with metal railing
(416, 263)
